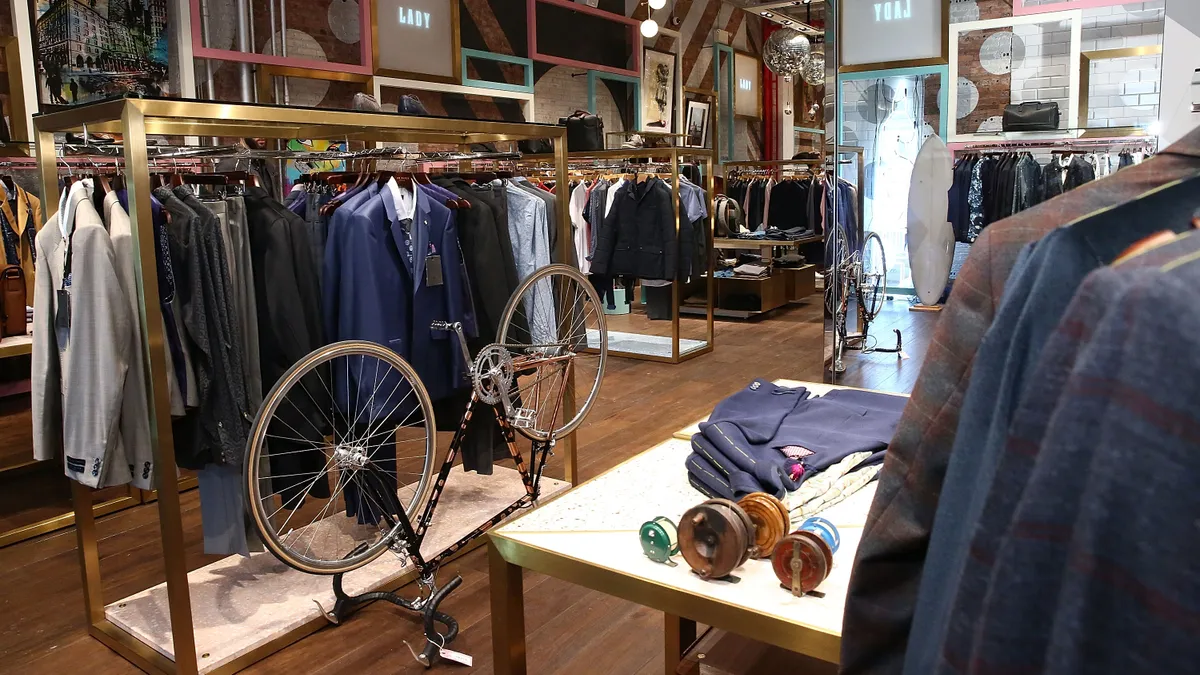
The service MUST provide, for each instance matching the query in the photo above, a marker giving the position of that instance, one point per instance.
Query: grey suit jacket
(135, 408)
(78, 377)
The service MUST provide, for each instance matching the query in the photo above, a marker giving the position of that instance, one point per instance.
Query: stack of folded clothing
(773, 439)
(750, 271)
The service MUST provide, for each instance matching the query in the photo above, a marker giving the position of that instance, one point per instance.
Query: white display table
(589, 536)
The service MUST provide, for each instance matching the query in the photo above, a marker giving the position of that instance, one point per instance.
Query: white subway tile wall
(1121, 92)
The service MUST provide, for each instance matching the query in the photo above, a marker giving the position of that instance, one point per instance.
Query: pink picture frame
(633, 24)
(1021, 9)
(366, 55)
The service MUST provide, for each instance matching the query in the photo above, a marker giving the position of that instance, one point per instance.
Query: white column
(1180, 61)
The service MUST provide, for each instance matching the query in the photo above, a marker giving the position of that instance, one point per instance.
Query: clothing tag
(62, 318)
(433, 270)
(457, 657)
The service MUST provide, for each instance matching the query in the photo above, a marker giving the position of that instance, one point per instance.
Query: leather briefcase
(585, 131)
(12, 301)
(1033, 116)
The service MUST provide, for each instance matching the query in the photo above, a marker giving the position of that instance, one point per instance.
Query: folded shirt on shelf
(769, 438)
(754, 271)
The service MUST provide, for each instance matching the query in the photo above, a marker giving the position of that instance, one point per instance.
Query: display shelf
(571, 539)
(240, 604)
(754, 244)
(17, 345)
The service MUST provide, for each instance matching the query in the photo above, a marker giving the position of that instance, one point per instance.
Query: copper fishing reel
(715, 538)
(771, 522)
(804, 558)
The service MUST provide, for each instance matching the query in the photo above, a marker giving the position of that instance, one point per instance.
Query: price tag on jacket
(433, 270)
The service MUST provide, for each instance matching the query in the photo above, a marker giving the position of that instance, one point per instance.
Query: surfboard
(930, 235)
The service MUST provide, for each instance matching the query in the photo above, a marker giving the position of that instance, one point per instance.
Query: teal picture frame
(943, 94)
(527, 64)
(593, 76)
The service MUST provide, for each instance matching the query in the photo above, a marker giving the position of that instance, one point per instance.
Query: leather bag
(12, 301)
(585, 131)
(1033, 116)
(536, 146)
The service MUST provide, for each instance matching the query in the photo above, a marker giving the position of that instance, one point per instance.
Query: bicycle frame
(407, 540)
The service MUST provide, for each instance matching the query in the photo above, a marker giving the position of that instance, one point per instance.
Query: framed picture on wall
(697, 124)
(658, 91)
(88, 51)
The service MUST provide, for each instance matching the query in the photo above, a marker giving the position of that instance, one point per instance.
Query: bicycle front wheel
(872, 286)
(555, 312)
(343, 444)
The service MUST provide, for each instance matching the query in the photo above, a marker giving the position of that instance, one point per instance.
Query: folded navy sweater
(768, 438)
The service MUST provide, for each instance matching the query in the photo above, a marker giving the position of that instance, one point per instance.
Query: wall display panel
(893, 33)
(417, 38)
(87, 51)
(334, 36)
(747, 92)
(1012, 61)
(615, 45)
(889, 114)
(1027, 7)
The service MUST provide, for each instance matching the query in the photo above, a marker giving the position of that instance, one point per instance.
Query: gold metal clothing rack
(672, 158)
(134, 118)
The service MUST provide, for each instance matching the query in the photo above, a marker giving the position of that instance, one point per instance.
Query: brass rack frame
(672, 156)
(134, 119)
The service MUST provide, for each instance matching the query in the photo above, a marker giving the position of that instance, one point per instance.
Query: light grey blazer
(78, 379)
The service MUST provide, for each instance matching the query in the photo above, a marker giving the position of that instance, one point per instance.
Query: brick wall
(1124, 92)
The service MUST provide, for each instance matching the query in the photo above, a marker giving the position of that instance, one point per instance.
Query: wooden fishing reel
(715, 538)
(771, 522)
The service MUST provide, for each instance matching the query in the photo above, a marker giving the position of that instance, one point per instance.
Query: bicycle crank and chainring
(493, 374)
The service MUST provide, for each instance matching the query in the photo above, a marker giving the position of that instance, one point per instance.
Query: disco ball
(814, 69)
(786, 51)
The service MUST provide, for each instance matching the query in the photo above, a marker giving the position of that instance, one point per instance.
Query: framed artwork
(658, 91)
(697, 124)
(418, 39)
(90, 51)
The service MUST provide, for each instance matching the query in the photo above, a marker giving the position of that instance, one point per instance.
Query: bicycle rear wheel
(555, 312)
(872, 286)
(343, 443)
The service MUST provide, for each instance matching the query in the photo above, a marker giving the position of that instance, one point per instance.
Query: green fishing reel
(660, 539)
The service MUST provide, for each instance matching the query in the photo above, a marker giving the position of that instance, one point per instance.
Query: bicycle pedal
(523, 418)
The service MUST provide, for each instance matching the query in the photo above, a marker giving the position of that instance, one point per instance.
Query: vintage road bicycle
(863, 273)
(339, 467)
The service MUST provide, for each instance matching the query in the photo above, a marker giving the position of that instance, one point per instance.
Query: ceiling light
(657, 4)
(768, 14)
(649, 28)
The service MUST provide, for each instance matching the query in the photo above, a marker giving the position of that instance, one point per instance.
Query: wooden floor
(570, 629)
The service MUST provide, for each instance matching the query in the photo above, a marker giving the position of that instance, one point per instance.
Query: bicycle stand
(344, 605)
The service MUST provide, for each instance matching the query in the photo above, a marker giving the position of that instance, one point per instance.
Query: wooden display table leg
(508, 614)
(679, 634)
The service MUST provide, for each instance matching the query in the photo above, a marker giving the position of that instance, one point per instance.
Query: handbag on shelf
(12, 301)
(585, 131)
(411, 105)
(1034, 116)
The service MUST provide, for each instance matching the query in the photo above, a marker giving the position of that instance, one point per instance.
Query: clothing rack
(1148, 143)
(134, 118)
(671, 158)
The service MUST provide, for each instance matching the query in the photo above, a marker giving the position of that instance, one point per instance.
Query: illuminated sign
(747, 72)
(879, 34)
(893, 10)
(416, 38)
(417, 18)
(745, 84)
